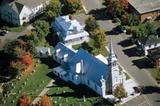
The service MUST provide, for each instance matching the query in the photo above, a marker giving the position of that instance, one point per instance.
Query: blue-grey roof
(64, 50)
(144, 6)
(93, 68)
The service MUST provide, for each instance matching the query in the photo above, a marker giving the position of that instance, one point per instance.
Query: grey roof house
(145, 9)
(21, 11)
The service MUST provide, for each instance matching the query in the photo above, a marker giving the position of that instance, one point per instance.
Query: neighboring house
(83, 68)
(70, 31)
(148, 43)
(145, 9)
(43, 52)
(154, 56)
(19, 12)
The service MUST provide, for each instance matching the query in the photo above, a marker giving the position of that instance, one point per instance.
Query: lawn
(156, 75)
(31, 84)
(67, 94)
(90, 47)
(17, 29)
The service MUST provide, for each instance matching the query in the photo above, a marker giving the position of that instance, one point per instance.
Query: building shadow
(125, 43)
(150, 90)
(49, 62)
(131, 52)
(78, 90)
(142, 63)
(99, 14)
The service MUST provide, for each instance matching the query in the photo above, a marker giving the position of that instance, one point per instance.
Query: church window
(95, 86)
(72, 77)
(88, 82)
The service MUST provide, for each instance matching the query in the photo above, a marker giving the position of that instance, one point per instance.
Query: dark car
(3, 32)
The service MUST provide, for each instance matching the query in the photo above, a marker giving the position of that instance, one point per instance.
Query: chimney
(57, 51)
(65, 57)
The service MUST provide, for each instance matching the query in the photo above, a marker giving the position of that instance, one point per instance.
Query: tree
(120, 92)
(71, 6)
(45, 101)
(124, 3)
(114, 8)
(99, 36)
(91, 24)
(54, 9)
(150, 29)
(24, 101)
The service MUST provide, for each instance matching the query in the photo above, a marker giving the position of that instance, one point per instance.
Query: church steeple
(112, 56)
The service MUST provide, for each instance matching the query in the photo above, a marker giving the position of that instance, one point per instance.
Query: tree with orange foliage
(45, 101)
(24, 101)
(124, 3)
(27, 59)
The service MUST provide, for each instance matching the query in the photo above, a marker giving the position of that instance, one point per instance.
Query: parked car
(3, 32)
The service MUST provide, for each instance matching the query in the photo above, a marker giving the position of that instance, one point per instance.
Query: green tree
(150, 29)
(120, 92)
(91, 24)
(42, 29)
(71, 6)
(54, 9)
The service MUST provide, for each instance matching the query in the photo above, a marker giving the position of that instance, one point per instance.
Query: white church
(83, 68)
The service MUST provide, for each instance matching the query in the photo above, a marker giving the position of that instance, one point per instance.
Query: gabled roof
(93, 68)
(64, 50)
(68, 25)
(151, 40)
(17, 7)
(154, 53)
(144, 6)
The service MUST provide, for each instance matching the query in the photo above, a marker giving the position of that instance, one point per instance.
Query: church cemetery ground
(31, 84)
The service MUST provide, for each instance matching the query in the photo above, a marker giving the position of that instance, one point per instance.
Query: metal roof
(144, 6)
(93, 68)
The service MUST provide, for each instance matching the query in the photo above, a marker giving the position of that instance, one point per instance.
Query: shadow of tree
(131, 52)
(99, 14)
(52, 39)
(125, 43)
(150, 90)
(142, 63)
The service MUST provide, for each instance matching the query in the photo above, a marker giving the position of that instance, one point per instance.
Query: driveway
(13, 35)
(129, 60)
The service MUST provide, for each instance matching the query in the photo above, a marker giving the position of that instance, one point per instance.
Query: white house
(148, 43)
(83, 68)
(19, 12)
(70, 31)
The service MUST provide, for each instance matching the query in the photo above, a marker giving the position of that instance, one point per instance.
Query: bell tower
(114, 68)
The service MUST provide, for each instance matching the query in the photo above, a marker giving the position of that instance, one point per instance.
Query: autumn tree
(120, 92)
(45, 101)
(24, 101)
(124, 3)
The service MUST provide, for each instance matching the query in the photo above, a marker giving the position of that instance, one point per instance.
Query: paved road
(13, 35)
(130, 61)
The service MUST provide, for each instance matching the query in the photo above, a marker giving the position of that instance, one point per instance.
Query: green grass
(156, 75)
(17, 29)
(127, 76)
(35, 83)
(91, 47)
(68, 94)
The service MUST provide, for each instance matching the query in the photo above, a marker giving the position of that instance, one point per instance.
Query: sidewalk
(45, 90)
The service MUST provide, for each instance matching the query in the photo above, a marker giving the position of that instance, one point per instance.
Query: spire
(111, 51)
